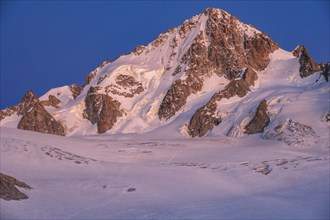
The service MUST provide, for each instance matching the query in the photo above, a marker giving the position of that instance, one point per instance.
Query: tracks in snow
(30, 149)
(264, 167)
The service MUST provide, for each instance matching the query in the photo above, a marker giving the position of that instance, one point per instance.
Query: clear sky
(47, 44)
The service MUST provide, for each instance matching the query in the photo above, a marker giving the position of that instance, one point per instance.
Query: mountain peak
(307, 65)
(216, 11)
(29, 97)
(180, 77)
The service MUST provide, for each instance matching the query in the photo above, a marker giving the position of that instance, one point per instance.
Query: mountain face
(213, 72)
(34, 116)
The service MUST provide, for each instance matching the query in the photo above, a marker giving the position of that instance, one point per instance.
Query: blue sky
(47, 44)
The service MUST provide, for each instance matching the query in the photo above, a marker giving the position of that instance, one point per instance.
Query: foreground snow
(145, 177)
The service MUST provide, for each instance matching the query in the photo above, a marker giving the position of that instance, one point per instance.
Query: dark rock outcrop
(230, 51)
(202, 122)
(93, 103)
(39, 120)
(257, 51)
(27, 103)
(325, 71)
(176, 96)
(205, 118)
(127, 83)
(92, 74)
(174, 99)
(101, 109)
(138, 50)
(36, 118)
(260, 120)
(307, 64)
(187, 26)
(52, 101)
(250, 76)
(8, 190)
(76, 90)
(28, 100)
(8, 112)
(109, 113)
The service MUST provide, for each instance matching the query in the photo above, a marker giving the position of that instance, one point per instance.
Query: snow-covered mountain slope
(205, 77)
(144, 177)
(264, 113)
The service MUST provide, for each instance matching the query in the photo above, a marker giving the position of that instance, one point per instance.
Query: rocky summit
(212, 75)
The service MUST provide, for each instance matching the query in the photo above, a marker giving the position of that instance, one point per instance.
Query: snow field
(215, 177)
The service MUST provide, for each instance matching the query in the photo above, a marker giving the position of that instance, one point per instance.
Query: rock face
(8, 190)
(8, 112)
(101, 109)
(250, 76)
(39, 120)
(325, 71)
(76, 90)
(260, 120)
(307, 64)
(125, 86)
(25, 105)
(92, 74)
(292, 133)
(205, 118)
(36, 118)
(229, 52)
(174, 99)
(52, 101)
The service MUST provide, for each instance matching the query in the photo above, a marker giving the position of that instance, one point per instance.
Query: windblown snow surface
(149, 177)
